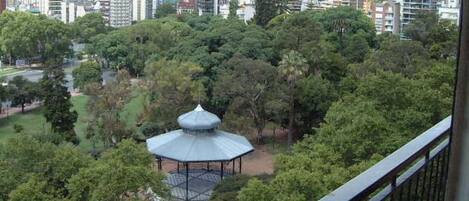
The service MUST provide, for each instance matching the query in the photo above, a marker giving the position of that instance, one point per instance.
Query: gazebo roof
(199, 140)
(198, 119)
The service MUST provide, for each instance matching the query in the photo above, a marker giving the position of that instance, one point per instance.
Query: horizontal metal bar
(376, 176)
(411, 171)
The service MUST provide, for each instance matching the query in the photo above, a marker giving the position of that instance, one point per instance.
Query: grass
(6, 71)
(34, 122)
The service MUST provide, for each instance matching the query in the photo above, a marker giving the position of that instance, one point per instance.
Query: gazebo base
(201, 184)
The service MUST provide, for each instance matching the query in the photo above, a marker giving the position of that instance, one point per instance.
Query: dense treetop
(346, 96)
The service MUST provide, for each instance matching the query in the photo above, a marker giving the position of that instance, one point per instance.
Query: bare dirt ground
(258, 162)
(261, 161)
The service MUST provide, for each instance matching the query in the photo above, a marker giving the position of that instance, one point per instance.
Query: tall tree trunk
(291, 118)
(260, 138)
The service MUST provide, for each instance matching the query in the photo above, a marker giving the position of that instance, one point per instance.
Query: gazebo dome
(198, 119)
(199, 140)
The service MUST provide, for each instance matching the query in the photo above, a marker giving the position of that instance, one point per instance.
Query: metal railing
(416, 171)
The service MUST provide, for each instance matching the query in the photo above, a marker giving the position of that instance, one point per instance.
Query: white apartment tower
(449, 10)
(120, 13)
(141, 9)
(410, 8)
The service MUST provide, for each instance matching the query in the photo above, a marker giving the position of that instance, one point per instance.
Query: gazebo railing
(416, 171)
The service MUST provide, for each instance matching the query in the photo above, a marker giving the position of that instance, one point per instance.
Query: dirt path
(258, 162)
(16, 110)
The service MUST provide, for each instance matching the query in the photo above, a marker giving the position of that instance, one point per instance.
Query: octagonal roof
(199, 140)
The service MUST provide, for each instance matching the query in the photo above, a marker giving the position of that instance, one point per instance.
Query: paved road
(36, 75)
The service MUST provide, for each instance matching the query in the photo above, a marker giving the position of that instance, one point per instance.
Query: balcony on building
(434, 165)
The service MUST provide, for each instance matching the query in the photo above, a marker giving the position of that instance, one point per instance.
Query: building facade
(186, 6)
(105, 10)
(141, 10)
(245, 12)
(120, 13)
(410, 8)
(449, 10)
(386, 16)
(71, 11)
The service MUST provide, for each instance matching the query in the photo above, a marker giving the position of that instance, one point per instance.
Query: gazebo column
(240, 165)
(187, 180)
(233, 161)
(221, 174)
(178, 167)
(159, 164)
(208, 166)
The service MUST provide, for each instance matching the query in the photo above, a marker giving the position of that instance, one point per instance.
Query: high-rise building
(105, 10)
(71, 11)
(55, 9)
(325, 4)
(3, 5)
(246, 9)
(449, 10)
(294, 5)
(120, 13)
(43, 6)
(186, 6)
(207, 7)
(386, 16)
(410, 8)
(357, 4)
(141, 10)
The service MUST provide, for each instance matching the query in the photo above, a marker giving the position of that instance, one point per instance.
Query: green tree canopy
(22, 92)
(164, 10)
(252, 89)
(88, 72)
(88, 26)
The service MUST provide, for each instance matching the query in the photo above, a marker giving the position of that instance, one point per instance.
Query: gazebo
(198, 142)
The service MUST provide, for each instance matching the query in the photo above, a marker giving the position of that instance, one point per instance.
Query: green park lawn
(34, 122)
(5, 71)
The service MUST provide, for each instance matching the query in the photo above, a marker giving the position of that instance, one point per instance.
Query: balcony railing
(416, 171)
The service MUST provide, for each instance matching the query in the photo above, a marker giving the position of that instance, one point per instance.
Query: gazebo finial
(199, 108)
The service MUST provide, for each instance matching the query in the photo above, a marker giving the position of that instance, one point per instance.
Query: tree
(33, 189)
(234, 5)
(438, 35)
(57, 104)
(164, 10)
(356, 49)
(297, 32)
(315, 96)
(406, 57)
(256, 190)
(267, 10)
(292, 68)
(104, 106)
(88, 72)
(228, 188)
(34, 170)
(420, 29)
(22, 92)
(173, 88)
(252, 89)
(342, 22)
(122, 174)
(88, 26)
